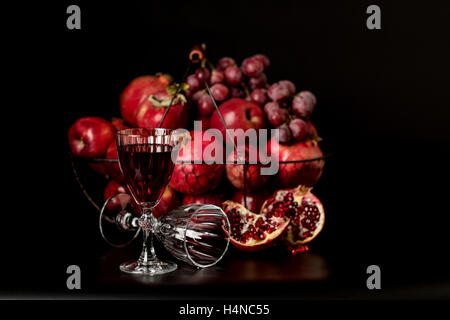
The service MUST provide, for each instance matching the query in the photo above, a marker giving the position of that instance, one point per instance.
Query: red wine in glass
(147, 169)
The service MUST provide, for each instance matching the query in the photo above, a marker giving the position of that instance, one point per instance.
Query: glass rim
(139, 132)
(206, 206)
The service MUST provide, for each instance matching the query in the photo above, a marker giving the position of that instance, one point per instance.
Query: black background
(383, 113)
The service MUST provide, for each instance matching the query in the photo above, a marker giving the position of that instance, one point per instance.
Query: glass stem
(147, 222)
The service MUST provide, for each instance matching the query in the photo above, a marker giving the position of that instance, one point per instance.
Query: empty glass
(192, 233)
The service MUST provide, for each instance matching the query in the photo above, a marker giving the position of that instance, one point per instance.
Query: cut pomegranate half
(304, 209)
(251, 231)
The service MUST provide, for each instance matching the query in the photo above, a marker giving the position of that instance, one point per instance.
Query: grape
(205, 105)
(196, 96)
(299, 129)
(303, 104)
(225, 62)
(188, 93)
(216, 76)
(194, 83)
(289, 85)
(278, 92)
(237, 92)
(233, 75)
(277, 116)
(220, 91)
(202, 72)
(252, 67)
(284, 134)
(270, 106)
(264, 60)
(310, 96)
(257, 82)
(259, 96)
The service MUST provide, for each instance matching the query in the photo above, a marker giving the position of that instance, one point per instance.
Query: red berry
(258, 82)
(202, 73)
(205, 105)
(264, 59)
(299, 129)
(194, 83)
(259, 96)
(220, 91)
(216, 76)
(196, 96)
(303, 104)
(270, 106)
(278, 92)
(233, 75)
(289, 85)
(285, 135)
(252, 67)
(224, 63)
(277, 116)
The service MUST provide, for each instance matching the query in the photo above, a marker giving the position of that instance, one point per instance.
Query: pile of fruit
(246, 101)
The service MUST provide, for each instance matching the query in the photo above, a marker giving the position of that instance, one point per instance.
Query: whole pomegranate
(139, 89)
(302, 173)
(251, 231)
(192, 178)
(235, 172)
(152, 109)
(304, 210)
(255, 200)
(208, 198)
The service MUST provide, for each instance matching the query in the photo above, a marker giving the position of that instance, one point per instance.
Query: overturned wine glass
(191, 233)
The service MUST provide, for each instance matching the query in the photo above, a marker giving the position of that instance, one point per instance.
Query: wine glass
(145, 159)
(191, 233)
(194, 234)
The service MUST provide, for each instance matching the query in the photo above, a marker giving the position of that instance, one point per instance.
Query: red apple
(137, 90)
(238, 114)
(152, 110)
(169, 201)
(89, 137)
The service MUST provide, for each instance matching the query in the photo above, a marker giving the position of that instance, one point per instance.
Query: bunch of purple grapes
(289, 111)
(284, 109)
(227, 80)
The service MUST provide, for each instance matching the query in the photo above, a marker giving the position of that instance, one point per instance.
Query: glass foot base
(152, 268)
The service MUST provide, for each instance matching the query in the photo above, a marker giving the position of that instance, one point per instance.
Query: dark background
(383, 114)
